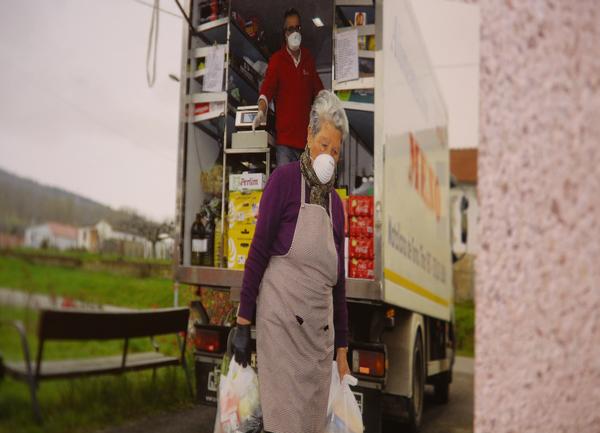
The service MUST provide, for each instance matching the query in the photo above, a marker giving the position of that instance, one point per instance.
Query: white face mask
(324, 166)
(294, 40)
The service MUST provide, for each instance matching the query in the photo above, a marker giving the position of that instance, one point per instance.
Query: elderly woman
(294, 281)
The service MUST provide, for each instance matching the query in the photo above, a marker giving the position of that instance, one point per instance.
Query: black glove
(241, 344)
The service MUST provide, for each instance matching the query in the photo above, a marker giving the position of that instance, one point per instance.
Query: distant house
(102, 237)
(10, 241)
(463, 166)
(51, 235)
(164, 248)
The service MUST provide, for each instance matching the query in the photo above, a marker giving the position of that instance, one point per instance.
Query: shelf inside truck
(249, 150)
(213, 31)
(360, 83)
(358, 106)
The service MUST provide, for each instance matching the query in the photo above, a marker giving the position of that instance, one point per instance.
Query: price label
(199, 245)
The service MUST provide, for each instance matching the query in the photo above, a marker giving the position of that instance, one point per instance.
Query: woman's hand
(342, 362)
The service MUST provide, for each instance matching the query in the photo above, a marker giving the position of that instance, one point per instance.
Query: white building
(51, 235)
(102, 236)
(97, 237)
(164, 248)
(463, 165)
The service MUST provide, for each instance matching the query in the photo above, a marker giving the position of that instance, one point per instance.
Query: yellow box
(241, 230)
(243, 206)
(238, 249)
(342, 193)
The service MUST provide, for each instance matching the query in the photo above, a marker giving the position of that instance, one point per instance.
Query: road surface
(455, 417)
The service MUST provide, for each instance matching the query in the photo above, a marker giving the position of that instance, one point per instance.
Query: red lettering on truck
(424, 179)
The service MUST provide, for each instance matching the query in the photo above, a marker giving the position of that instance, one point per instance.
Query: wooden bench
(67, 324)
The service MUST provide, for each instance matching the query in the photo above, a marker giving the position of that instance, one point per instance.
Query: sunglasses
(292, 29)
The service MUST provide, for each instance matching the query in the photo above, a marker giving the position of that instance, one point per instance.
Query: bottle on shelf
(202, 238)
(209, 257)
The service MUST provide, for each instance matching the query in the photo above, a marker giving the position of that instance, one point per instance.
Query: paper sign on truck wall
(213, 79)
(346, 55)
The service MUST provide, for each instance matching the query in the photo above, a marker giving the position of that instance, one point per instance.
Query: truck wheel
(415, 409)
(441, 388)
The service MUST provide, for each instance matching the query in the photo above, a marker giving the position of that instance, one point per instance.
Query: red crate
(360, 205)
(360, 268)
(361, 248)
(346, 218)
(361, 227)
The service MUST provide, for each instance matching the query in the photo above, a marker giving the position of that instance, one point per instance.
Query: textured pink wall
(538, 271)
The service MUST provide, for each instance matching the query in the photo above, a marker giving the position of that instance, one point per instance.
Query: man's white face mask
(324, 167)
(294, 40)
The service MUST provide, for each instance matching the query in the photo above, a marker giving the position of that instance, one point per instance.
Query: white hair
(328, 108)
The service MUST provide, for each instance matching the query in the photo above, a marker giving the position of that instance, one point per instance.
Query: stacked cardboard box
(247, 182)
(241, 224)
(361, 251)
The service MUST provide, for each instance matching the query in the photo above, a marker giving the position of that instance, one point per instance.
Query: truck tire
(415, 407)
(441, 387)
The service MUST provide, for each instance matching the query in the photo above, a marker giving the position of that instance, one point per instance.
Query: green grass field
(83, 285)
(87, 256)
(85, 405)
(92, 403)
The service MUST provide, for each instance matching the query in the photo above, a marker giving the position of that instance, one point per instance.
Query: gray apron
(294, 326)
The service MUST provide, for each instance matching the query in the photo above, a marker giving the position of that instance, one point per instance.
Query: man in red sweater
(292, 81)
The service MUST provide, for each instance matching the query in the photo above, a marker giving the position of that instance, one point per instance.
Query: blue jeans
(286, 154)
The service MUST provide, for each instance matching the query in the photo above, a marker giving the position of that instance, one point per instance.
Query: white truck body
(414, 181)
(407, 310)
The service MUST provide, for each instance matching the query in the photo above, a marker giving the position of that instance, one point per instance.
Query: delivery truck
(394, 176)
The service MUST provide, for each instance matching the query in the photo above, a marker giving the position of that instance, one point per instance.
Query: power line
(151, 6)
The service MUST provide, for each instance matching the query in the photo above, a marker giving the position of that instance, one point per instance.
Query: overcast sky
(76, 112)
(75, 109)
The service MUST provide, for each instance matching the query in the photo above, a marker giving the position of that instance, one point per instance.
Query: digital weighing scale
(244, 137)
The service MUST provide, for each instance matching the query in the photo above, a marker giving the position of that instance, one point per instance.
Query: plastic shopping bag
(343, 411)
(238, 409)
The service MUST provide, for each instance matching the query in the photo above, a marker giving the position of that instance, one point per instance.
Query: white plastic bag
(342, 410)
(238, 408)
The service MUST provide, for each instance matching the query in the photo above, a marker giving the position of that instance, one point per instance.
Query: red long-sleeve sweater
(294, 89)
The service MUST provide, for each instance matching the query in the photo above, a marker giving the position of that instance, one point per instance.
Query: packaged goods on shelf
(361, 248)
(237, 251)
(247, 182)
(211, 10)
(361, 268)
(366, 96)
(344, 197)
(361, 226)
(247, 70)
(243, 206)
(202, 239)
(360, 205)
(212, 180)
(241, 223)
(241, 229)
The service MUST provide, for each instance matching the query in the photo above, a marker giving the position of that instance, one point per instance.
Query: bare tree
(154, 232)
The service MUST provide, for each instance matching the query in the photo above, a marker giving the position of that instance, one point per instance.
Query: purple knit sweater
(278, 214)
